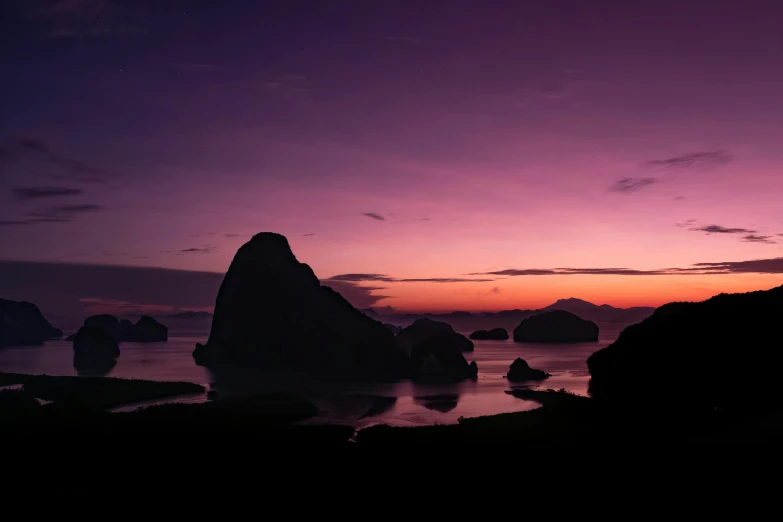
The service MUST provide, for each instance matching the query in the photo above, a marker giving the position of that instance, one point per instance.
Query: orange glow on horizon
(538, 291)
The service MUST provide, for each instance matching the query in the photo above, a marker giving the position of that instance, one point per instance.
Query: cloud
(206, 249)
(389, 279)
(373, 215)
(232, 235)
(570, 271)
(359, 296)
(58, 288)
(756, 266)
(307, 235)
(59, 214)
(752, 238)
(685, 223)
(28, 193)
(64, 167)
(717, 229)
(693, 160)
(628, 185)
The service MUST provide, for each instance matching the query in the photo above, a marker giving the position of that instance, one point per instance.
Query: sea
(360, 405)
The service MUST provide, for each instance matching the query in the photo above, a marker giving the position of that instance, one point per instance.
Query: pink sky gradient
(489, 138)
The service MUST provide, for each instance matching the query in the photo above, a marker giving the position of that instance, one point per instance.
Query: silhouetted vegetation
(96, 392)
(723, 353)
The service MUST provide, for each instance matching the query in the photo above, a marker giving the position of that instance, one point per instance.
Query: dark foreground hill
(725, 353)
(272, 311)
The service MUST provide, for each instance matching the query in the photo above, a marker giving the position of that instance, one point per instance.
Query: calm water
(416, 404)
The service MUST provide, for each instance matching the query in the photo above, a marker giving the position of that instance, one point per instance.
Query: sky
(428, 156)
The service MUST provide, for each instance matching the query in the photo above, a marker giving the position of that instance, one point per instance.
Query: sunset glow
(532, 139)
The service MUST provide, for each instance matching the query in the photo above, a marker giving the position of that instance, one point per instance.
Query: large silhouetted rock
(422, 329)
(438, 359)
(94, 342)
(496, 334)
(21, 323)
(109, 324)
(272, 311)
(557, 326)
(436, 351)
(722, 353)
(521, 371)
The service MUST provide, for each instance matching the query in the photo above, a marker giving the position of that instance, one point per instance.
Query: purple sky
(401, 140)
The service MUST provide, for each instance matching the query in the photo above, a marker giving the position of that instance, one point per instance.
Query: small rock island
(521, 371)
(496, 334)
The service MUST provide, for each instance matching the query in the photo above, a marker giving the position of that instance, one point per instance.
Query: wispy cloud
(628, 185)
(755, 266)
(359, 296)
(64, 167)
(59, 214)
(752, 238)
(373, 215)
(232, 235)
(693, 160)
(307, 235)
(570, 271)
(29, 193)
(388, 279)
(685, 223)
(206, 249)
(717, 229)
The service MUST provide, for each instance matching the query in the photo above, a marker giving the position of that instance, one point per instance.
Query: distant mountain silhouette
(272, 311)
(601, 313)
(190, 315)
(556, 326)
(509, 319)
(725, 352)
(21, 323)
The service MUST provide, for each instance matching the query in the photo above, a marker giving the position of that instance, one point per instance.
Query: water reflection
(441, 403)
(93, 366)
(400, 403)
